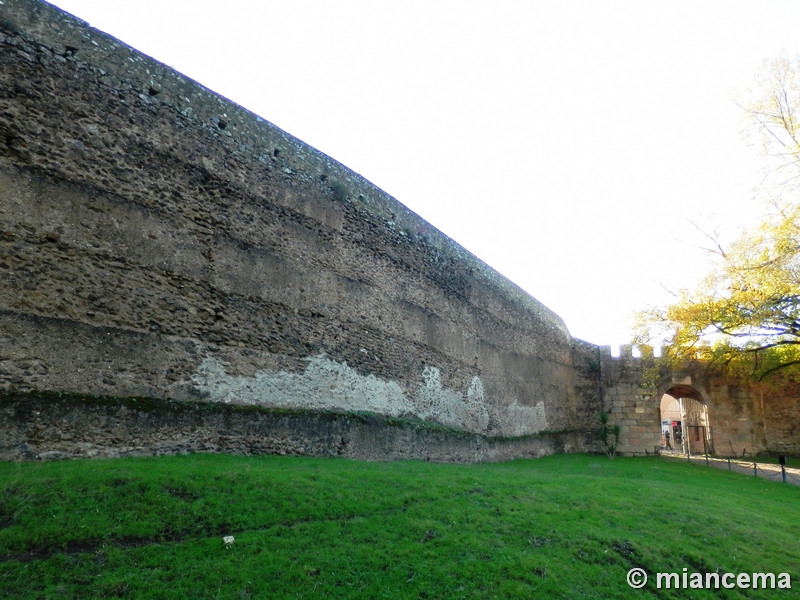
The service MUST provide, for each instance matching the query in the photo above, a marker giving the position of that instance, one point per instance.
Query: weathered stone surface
(157, 239)
(744, 415)
(49, 427)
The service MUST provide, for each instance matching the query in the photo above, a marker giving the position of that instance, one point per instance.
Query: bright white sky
(562, 142)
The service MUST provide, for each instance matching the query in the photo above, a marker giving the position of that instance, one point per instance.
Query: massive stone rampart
(158, 240)
(160, 244)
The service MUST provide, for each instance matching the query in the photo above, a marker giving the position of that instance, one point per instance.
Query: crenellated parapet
(743, 415)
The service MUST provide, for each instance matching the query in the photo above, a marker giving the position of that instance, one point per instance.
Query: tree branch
(778, 368)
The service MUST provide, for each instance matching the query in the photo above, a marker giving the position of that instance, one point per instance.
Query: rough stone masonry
(158, 241)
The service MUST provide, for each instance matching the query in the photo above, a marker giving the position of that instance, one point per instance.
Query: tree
(745, 315)
(772, 109)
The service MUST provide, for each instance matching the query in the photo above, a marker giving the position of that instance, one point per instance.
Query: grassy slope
(560, 527)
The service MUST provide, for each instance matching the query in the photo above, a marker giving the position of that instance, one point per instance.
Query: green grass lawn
(567, 526)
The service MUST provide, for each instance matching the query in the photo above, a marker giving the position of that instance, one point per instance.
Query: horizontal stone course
(158, 240)
(48, 427)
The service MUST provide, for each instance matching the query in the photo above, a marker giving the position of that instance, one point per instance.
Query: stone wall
(781, 411)
(64, 426)
(158, 240)
(631, 398)
(744, 416)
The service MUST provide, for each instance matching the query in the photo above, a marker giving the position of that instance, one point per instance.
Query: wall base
(48, 426)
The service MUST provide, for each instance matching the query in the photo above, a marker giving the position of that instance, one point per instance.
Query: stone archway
(684, 421)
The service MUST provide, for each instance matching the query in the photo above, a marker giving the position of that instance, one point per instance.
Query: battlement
(634, 351)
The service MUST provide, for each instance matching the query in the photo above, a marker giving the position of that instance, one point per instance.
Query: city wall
(159, 241)
(744, 416)
(163, 251)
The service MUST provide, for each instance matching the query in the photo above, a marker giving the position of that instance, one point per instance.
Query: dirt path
(764, 470)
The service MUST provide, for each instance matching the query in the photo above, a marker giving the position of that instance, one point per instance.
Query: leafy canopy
(745, 314)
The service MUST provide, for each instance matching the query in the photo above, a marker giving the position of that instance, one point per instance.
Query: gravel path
(764, 470)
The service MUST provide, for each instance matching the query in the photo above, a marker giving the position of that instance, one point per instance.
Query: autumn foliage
(745, 314)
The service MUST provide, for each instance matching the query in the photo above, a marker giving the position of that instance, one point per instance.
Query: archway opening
(684, 422)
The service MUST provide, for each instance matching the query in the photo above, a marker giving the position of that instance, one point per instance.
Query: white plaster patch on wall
(449, 407)
(328, 385)
(515, 419)
(323, 385)
(475, 390)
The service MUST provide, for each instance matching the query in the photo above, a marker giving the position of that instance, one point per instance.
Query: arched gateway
(684, 421)
(702, 410)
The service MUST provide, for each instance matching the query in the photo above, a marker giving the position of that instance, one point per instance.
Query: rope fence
(768, 474)
(768, 471)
